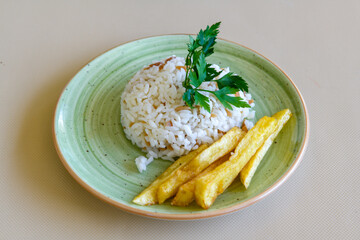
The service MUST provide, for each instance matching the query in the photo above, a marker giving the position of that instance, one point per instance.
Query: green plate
(91, 143)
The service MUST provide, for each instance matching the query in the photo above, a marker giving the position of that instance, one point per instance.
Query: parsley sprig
(199, 71)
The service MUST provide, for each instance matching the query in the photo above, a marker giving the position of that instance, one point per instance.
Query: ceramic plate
(91, 143)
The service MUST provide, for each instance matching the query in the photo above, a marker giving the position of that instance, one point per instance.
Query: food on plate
(206, 172)
(200, 114)
(185, 194)
(248, 171)
(160, 123)
(149, 195)
(209, 186)
(173, 106)
(218, 149)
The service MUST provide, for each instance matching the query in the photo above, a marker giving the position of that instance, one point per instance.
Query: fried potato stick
(248, 171)
(218, 149)
(149, 195)
(185, 194)
(209, 186)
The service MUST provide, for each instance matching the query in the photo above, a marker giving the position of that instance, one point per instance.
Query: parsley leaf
(203, 101)
(227, 100)
(201, 68)
(194, 80)
(233, 81)
(199, 71)
(189, 98)
(211, 73)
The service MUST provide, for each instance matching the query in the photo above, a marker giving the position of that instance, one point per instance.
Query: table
(44, 43)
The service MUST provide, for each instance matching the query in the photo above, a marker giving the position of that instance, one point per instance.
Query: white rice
(155, 118)
(141, 162)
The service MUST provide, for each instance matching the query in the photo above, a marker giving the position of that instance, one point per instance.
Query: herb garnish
(199, 71)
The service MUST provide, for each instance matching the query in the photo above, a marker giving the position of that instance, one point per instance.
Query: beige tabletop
(44, 43)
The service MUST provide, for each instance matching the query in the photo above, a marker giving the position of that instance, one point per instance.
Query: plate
(91, 143)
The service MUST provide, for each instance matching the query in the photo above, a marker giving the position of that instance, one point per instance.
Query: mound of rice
(155, 117)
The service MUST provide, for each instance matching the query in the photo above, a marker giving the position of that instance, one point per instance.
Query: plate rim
(187, 216)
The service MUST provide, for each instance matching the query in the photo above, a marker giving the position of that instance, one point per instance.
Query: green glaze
(93, 146)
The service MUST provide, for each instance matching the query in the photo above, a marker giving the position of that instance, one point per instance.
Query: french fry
(248, 171)
(218, 149)
(149, 195)
(209, 186)
(185, 194)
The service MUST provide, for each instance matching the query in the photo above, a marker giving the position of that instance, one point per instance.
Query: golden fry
(185, 195)
(248, 171)
(209, 186)
(186, 172)
(149, 195)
